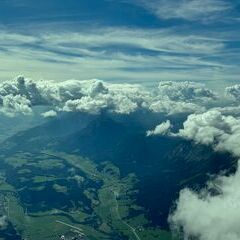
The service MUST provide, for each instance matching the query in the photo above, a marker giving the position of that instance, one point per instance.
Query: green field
(111, 199)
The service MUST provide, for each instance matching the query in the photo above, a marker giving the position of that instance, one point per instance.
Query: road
(132, 229)
(71, 226)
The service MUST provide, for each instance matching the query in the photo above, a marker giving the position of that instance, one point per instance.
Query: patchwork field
(49, 194)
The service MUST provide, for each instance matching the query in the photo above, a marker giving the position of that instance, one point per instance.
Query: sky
(134, 41)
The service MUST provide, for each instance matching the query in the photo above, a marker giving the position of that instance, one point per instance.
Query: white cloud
(170, 107)
(229, 109)
(49, 114)
(86, 104)
(162, 129)
(91, 96)
(213, 128)
(15, 104)
(185, 91)
(116, 53)
(193, 10)
(233, 92)
(208, 217)
(95, 96)
(181, 97)
(201, 214)
(118, 98)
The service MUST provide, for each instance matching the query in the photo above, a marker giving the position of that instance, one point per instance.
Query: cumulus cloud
(95, 96)
(15, 104)
(181, 97)
(170, 107)
(185, 91)
(118, 98)
(49, 114)
(233, 92)
(213, 128)
(208, 217)
(162, 129)
(202, 215)
(91, 96)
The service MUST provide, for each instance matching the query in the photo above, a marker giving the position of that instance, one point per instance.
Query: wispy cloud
(202, 10)
(114, 53)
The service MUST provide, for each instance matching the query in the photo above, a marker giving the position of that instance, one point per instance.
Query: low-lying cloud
(95, 96)
(162, 129)
(205, 217)
(49, 114)
(202, 215)
(213, 128)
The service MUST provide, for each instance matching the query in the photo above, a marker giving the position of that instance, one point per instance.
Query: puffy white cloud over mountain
(207, 217)
(169, 107)
(49, 114)
(211, 217)
(94, 96)
(201, 214)
(12, 104)
(213, 128)
(88, 96)
(162, 129)
(185, 91)
(234, 92)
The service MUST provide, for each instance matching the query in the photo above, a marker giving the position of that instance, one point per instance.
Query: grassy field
(111, 197)
(116, 201)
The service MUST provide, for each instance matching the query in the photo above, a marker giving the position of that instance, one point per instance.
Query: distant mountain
(11, 125)
(38, 137)
(163, 165)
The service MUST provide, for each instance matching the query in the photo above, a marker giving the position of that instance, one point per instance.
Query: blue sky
(141, 41)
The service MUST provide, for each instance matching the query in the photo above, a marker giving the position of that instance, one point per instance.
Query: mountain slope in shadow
(163, 165)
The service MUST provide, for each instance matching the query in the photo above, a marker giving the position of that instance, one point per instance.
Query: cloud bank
(95, 96)
(185, 91)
